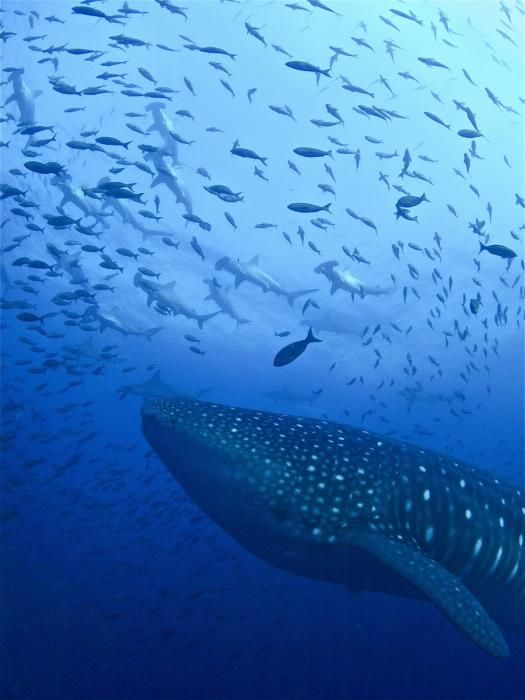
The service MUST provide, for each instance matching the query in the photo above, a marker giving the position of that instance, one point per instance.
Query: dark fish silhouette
(500, 250)
(336, 503)
(292, 351)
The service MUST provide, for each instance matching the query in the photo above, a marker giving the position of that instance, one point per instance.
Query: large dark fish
(336, 503)
(500, 250)
(292, 351)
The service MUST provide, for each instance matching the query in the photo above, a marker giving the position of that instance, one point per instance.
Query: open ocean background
(113, 585)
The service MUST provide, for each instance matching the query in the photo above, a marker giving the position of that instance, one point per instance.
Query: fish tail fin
(201, 320)
(292, 296)
(482, 247)
(311, 337)
(327, 207)
(152, 331)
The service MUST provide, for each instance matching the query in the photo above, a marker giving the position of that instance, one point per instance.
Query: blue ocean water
(114, 584)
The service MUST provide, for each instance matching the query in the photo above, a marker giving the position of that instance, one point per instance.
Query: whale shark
(332, 502)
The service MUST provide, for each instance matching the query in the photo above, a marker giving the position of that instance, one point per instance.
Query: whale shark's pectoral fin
(11, 98)
(444, 589)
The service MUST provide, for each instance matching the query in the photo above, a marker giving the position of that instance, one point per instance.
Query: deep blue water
(113, 584)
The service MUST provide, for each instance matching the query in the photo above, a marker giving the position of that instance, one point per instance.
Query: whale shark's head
(278, 464)
(232, 458)
(212, 450)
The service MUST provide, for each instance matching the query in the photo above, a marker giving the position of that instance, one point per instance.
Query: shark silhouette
(23, 96)
(336, 503)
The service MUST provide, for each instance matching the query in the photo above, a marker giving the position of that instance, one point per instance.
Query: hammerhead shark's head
(23, 96)
(343, 279)
(332, 502)
(163, 125)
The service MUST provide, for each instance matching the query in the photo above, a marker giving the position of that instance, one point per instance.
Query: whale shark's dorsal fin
(254, 260)
(444, 589)
(155, 378)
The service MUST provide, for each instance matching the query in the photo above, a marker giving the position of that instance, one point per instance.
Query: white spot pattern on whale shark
(444, 526)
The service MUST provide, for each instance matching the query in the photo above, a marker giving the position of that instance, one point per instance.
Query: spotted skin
(337, 503)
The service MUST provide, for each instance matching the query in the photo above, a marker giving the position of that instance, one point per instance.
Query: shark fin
(155, 377)
(151, 332)
(201, 320)
(292, 296)
(254, 260)
(444, 589)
